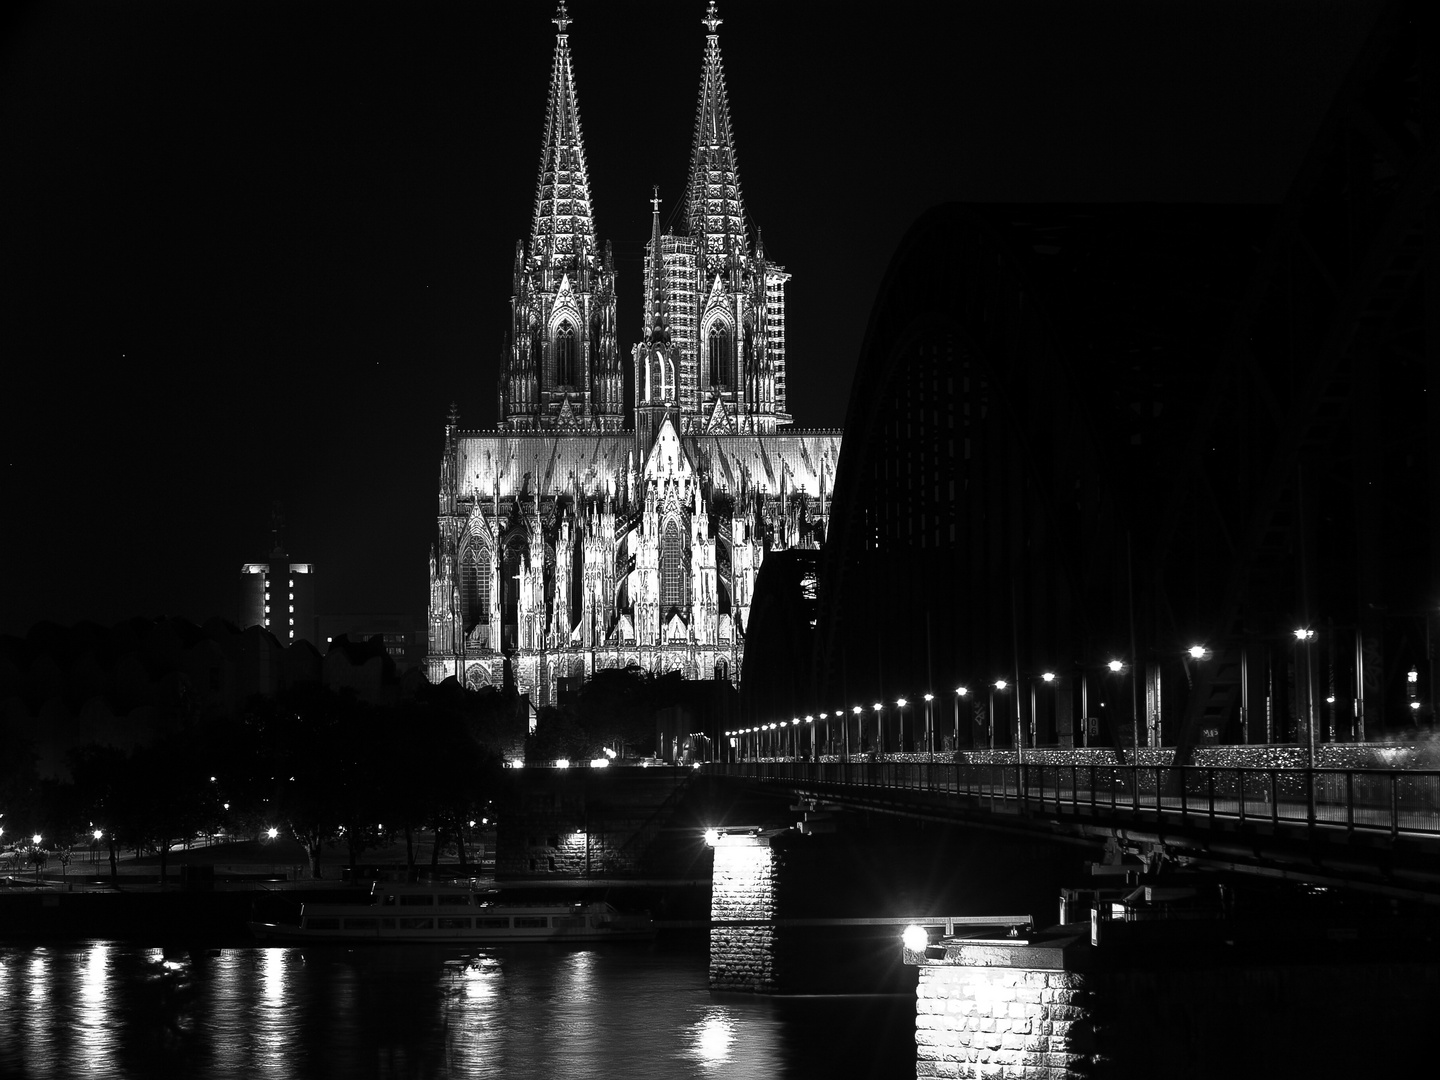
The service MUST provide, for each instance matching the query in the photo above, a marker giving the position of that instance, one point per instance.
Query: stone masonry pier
(1175, 999)
(743, 890)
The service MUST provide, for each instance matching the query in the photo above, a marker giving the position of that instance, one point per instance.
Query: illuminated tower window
(721, 357)
(565, 355)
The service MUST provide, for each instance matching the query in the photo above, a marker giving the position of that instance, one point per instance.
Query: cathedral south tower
(724, 301)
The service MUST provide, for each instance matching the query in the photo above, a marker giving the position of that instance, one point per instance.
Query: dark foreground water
(120, 1010)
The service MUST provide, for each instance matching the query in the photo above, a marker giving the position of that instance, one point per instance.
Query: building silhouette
(581, 535)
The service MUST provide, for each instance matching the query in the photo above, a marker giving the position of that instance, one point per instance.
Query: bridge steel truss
(1084, 433)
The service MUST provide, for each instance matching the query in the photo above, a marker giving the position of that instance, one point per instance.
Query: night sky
(252, 251)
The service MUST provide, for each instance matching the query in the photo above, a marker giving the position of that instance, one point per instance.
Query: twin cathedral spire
(711, 350)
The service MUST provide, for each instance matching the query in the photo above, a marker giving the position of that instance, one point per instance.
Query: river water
(109, 1009)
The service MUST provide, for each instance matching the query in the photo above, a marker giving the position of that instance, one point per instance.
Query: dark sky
(252, 251)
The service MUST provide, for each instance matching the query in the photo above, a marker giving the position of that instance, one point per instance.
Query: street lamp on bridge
(929, 726)
(879, 728)
(999, 686)
(900, 704)
(960, 692)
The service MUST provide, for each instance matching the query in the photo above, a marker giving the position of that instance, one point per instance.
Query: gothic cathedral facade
(580, 535)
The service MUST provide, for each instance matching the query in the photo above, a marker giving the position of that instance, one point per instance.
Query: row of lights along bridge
(782, 737)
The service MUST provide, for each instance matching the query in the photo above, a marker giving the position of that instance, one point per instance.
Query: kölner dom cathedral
(579, 535)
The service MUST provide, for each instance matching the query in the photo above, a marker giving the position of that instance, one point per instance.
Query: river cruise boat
(454, 914)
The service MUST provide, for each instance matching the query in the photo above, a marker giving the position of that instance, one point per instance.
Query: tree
(101, 792)
(615, 709)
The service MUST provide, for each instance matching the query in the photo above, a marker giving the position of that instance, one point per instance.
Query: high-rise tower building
(279, 594)
(576, 537)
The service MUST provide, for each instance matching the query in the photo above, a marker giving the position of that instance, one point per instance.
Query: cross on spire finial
(562, 17)
(655, 200)
(711, 20)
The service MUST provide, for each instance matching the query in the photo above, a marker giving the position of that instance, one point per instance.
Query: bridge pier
(1174, 999)
(743, 890)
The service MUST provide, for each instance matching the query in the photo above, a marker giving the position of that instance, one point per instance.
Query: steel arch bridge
(1085, 433)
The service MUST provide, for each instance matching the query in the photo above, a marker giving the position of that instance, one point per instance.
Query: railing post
(1274, 798)
(1240, 783)
(1210, 791)
(1310, 796)
(1349, 800)
(1184, 807)
(1394, 804)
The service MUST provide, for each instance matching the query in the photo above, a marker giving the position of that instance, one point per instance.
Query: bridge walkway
(1375, 828)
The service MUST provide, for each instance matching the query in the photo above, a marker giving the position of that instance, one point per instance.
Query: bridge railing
(1373, 800)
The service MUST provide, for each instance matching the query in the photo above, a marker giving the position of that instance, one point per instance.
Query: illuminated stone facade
(577, 537)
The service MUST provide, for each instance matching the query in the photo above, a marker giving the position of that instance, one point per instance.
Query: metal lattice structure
(1092, 432)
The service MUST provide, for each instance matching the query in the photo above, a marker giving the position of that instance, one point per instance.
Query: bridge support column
(743, 891)
(1001, 1010)
(1175, 998)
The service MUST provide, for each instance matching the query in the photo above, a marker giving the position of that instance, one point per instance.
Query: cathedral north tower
(561, 369)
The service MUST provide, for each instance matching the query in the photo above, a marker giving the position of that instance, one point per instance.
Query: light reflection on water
(105, 1009)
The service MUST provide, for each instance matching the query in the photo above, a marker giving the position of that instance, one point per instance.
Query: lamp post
(1049, 678)
(999, 686)
(1305, 636)
(960, 692)
(879, 729)
(859, 719)
(929, 727)
(1117, 667)
(900, 704)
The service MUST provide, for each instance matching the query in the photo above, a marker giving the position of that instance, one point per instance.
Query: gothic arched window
(475, 586)
(661, 380)
(512, 563)
(721, 356)
(565, 355)
(672, 569)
